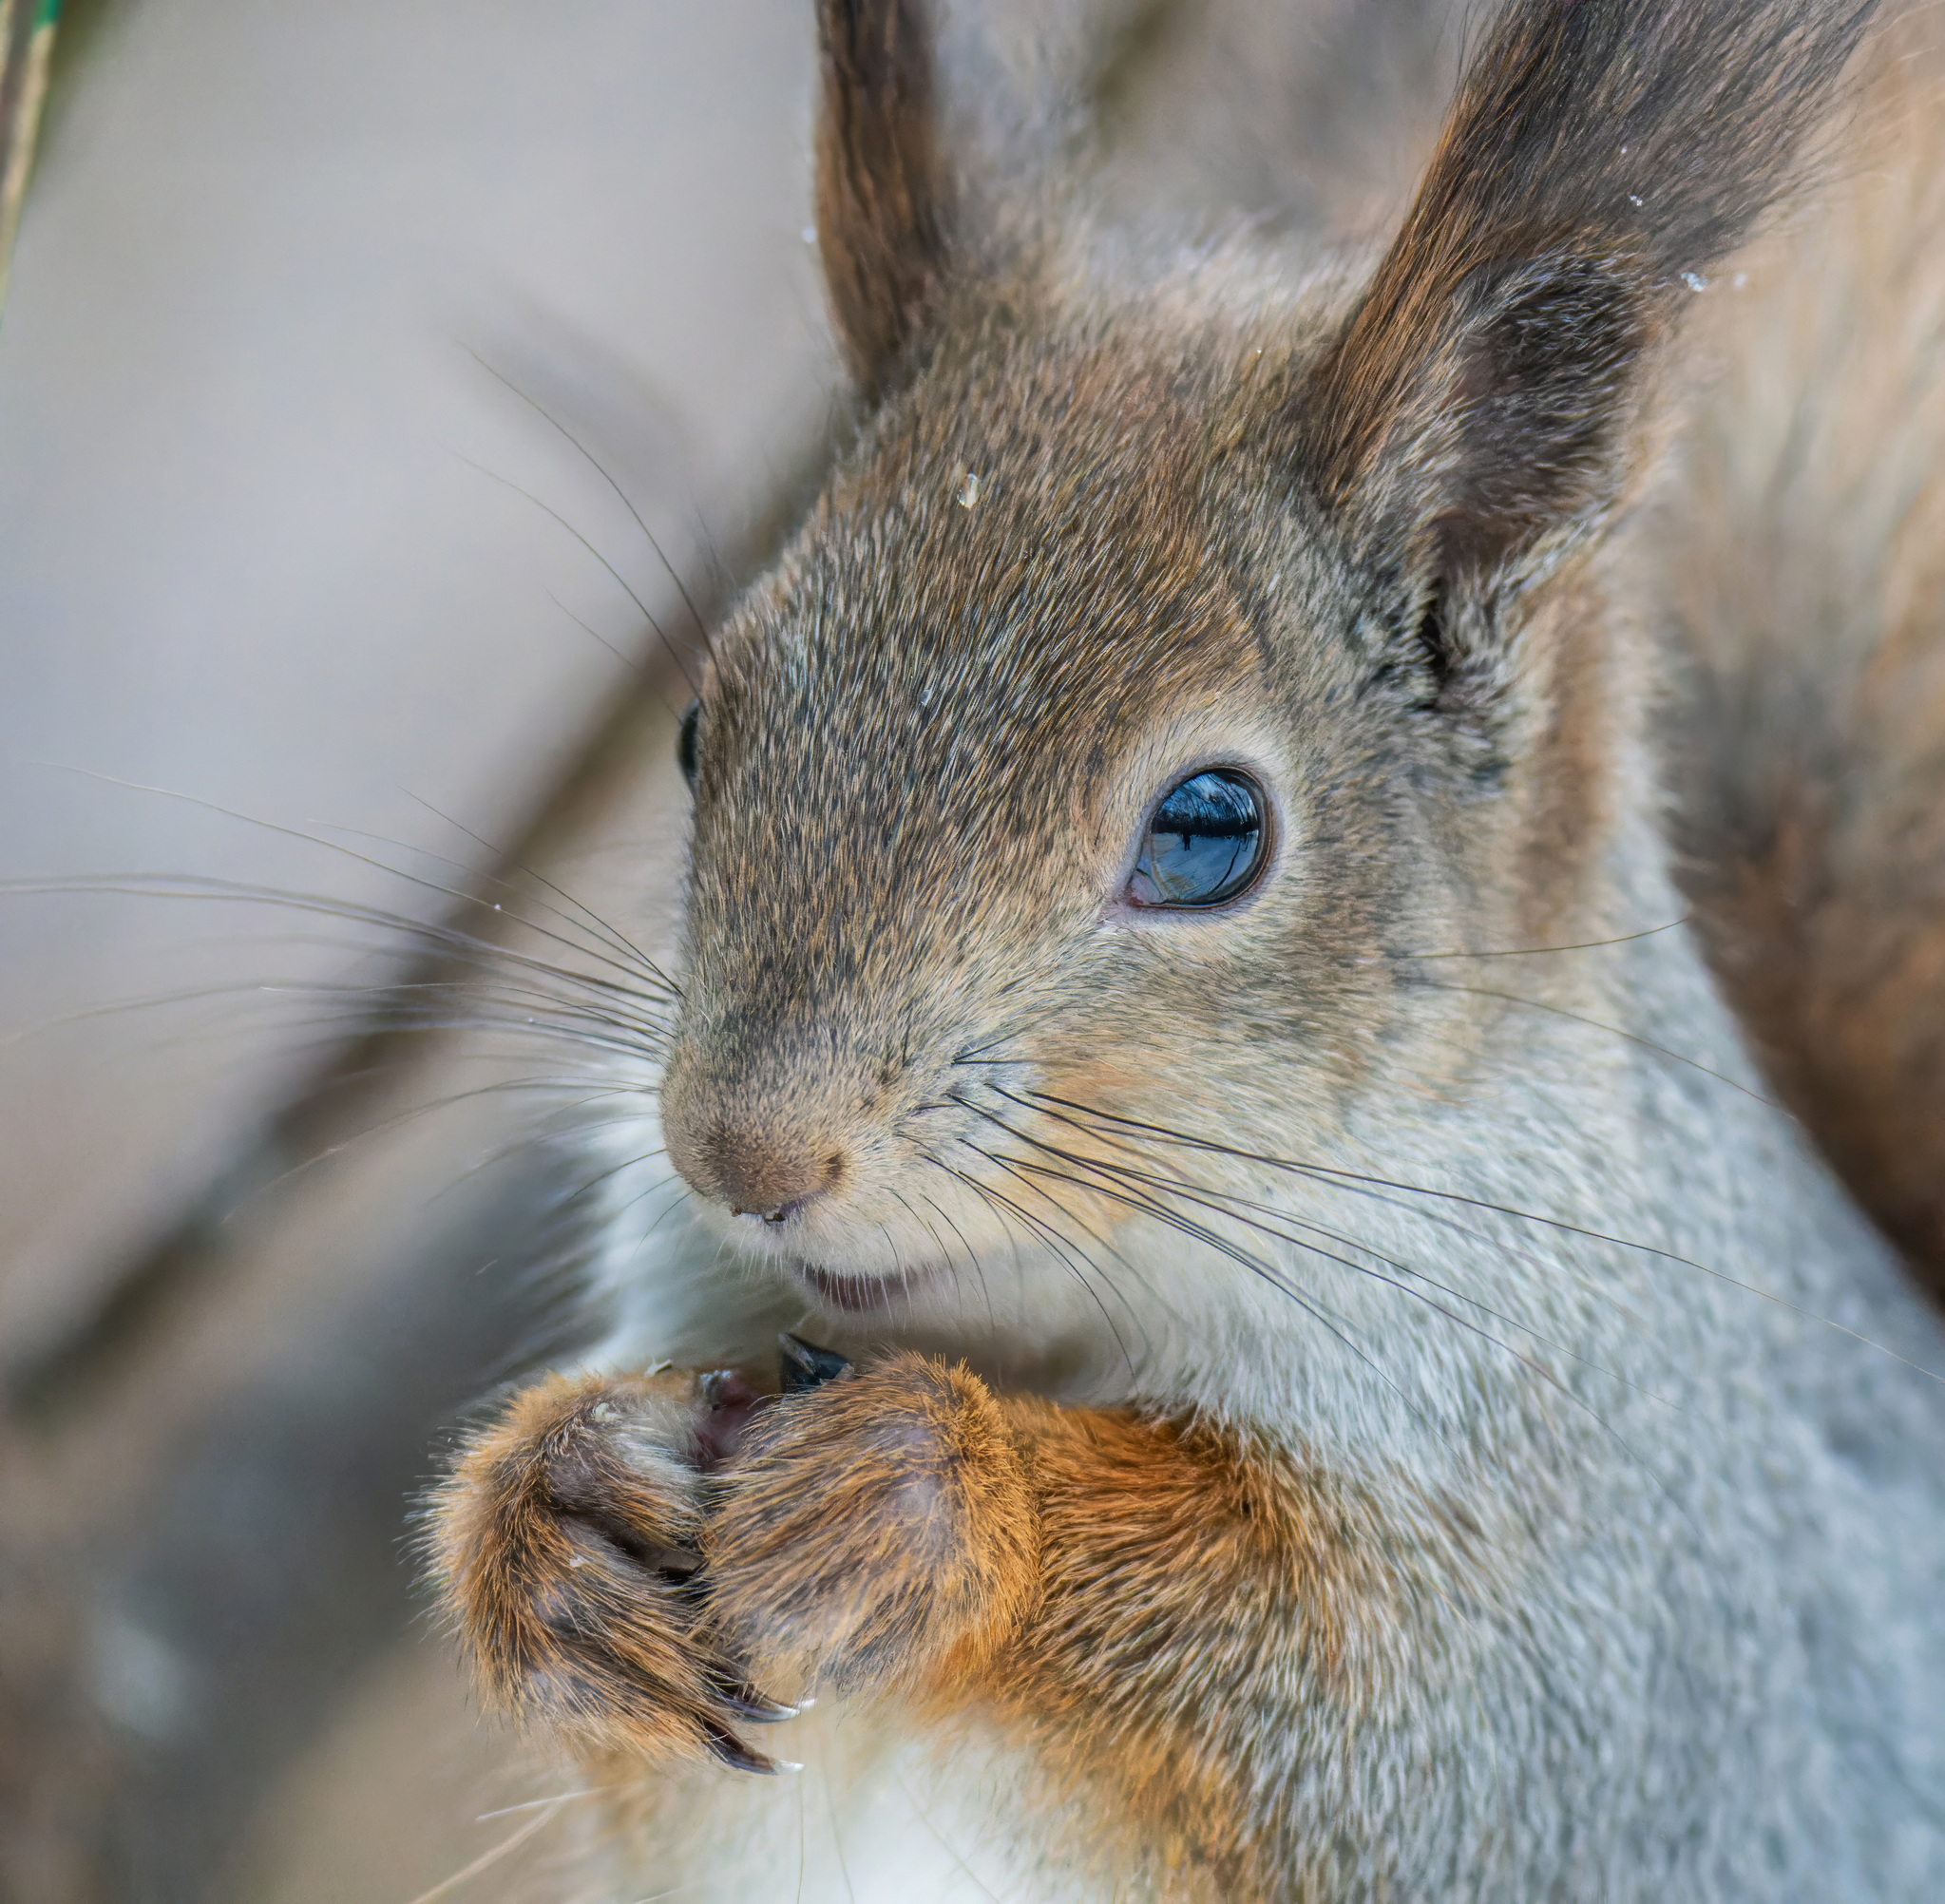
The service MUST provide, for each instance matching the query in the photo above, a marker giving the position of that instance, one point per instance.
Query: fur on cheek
(879, 1531)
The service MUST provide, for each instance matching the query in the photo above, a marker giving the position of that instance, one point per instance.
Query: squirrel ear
(880, 182)
(1599, 158)
(1473, 438)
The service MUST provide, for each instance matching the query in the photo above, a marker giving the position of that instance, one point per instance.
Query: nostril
(766, 1180)
(782, 1213)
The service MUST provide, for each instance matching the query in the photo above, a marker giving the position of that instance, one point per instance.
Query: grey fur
(1627, 1411)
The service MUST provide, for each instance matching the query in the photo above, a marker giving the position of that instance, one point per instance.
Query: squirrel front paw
(874, 1531)
(623, 1557)
(565, 1544)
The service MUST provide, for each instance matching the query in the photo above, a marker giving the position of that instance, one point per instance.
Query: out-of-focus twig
(204, 1484)
(27, 47)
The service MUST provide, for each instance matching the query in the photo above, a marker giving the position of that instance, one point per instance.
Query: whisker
(674, 653)
(898, 1263)
(1007, 1227)
(836, 1840)
(534, 1804)
(626, 1163)
(652, 1024)
(506, 1087)
(450, 941)
(673, 1178)
(1335, 1326)
(945, 1254)
(560, 1133)
(600, 470)
(1542, 951)
(610, 936)
(614, 935)
(427, 1023)
(924, 1819)
(1086, 1229)
(1061, 1245)
(492, 1858)
(1613, 1031)
(650, 1016)
(456, 893)
(1214, 1199)
(1014, 1168)
(1329, 1173)
(1279, 1283)
(1036, 1227)
(1526, 1361)
(1148, 1203)
(594, 633)
(381, 1011)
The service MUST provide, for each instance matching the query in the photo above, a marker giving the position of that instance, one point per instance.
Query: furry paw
(616, 1553)
(566, 1544)
(875, 1530)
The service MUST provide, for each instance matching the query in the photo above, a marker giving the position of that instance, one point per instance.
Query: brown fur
(564, 1540)
(1546, 241)
(878, 1532)
(880, 190)
(1147, 1527)
(903, 1528)
(1358, 532)
(1802, 546)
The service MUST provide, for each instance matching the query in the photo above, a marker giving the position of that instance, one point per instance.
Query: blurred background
(388, 393)
(264, 547)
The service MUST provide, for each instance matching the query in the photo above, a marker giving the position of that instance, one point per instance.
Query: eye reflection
(1206, 843)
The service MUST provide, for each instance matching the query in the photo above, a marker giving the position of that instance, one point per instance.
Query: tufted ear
(881, 210)
(1601, 156)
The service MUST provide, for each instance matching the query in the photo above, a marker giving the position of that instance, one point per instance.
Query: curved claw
(677, 1563)
(806, 1366)
(748, 1703)
(734, 1753)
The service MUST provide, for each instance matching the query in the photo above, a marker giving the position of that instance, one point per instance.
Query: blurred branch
(204, 1486)
(65, 1376)
(27, 50)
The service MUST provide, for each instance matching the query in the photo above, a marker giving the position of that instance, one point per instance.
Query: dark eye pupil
(1204, 843)
(685, 742)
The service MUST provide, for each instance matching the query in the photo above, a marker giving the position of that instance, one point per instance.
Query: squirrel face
(1180, 663)
(1057, 583)
(1337, 536)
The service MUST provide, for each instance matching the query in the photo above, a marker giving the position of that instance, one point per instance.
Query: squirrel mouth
(857, 1294)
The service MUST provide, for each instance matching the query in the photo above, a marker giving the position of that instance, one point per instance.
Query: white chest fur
(872, 1818)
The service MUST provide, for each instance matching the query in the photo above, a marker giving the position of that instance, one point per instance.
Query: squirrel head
(1185, 644)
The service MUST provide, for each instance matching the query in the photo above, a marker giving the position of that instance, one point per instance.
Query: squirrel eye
(1206, 843)
(685, 742)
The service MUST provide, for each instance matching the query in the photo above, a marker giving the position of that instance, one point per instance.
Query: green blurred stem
(27, 47)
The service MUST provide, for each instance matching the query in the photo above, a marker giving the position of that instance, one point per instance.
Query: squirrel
(1221, 1006)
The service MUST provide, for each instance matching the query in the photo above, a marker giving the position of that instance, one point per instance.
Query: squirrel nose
(782, 1213)
(766, 1178)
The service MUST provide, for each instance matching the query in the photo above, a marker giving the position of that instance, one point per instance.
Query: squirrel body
(1354, 1390)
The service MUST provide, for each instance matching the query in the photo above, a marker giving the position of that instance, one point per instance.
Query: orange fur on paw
(621, 1554)
(879, 1529)
(1193, 1590)
(565, 1543)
